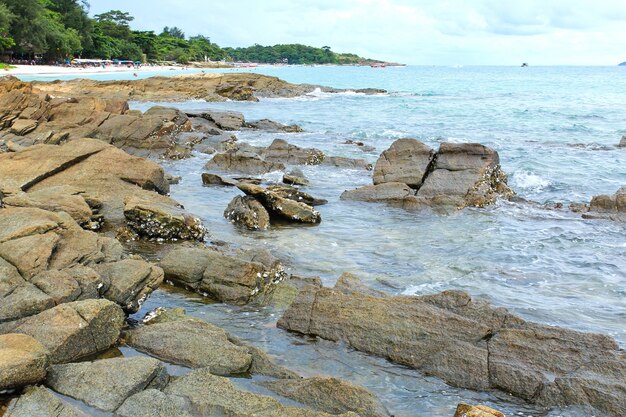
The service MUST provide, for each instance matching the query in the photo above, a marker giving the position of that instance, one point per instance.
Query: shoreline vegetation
(88, 231)
(59, 31)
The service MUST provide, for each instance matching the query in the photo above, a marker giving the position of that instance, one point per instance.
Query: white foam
(527, 180)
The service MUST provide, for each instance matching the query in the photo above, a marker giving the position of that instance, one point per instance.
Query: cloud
(444, 32)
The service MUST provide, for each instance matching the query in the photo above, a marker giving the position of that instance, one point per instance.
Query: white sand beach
(34, 70)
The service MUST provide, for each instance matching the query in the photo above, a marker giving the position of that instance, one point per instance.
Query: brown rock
(294, 194)
(466, 410)
(214, 179)
(406, 161)
(248, 212)
(23, 361)
(243, 162)
(280, 151)
(280, 207)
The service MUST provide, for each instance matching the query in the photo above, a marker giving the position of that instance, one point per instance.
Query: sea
(556, 131)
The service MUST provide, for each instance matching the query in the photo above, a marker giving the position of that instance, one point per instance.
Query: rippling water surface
(555, 130)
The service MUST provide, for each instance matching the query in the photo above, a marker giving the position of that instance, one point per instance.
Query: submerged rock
(331, 395)
(40, 402)
(295, 177)
(23, 361)
(393, 193)
(622, 142)
(248, 212)
(350, 163)
(281, 207)
(214, 179)
(74, 330)
(466, 410)
(468, 343)
(107, 383)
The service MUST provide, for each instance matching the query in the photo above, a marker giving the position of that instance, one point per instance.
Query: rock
(466, 410)
(129, 282)
(209, 394)
(280, 207)
(242, 162)
(248, 212)
(40, 402)
(107, 383)
(331, 395)
(226, 278)
(612, 207)
(173, 179)
(350, 284)
(622, 142)
(350, 163)
(155, 220)
(465, 175)
(74, 330)
(287, 290)
(23, 361)
(271, 126)
(60, 198)
(236, 92)
(106, 176)
(280, 151)
(214, 179)
(59, 285)
(23, 127)
(393, 193)
(468, 343)
(406, 161)
(296, 195)
(226, 120)
(295, 177)
(19, 297)
(152, 403)
(262, 364)
(193, 343)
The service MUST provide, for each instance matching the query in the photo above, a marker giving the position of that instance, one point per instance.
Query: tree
(6, 17)
(73, 14)
(174, 32)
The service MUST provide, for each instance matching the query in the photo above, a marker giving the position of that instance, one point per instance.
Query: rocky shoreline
(81, 190)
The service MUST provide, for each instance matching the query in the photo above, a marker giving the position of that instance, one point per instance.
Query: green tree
(174, 32)
(6, 17)
(73, 15)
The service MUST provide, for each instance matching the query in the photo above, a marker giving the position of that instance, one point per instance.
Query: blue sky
(426, 32)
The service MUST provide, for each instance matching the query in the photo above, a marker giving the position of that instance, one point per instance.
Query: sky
(421, 32)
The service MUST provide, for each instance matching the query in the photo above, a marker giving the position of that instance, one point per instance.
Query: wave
(529, 181)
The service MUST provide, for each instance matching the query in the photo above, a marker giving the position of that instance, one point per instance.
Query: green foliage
(63, 29)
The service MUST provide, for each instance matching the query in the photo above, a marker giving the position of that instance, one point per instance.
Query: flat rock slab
(152, 403)
(242, 162)
(281, 207)
(331, 395)
(280, 151)
(193, 343)
(107, 383)
(469, 343)
(40, 402)
(23, 361)
(74, 330)
(208, 394)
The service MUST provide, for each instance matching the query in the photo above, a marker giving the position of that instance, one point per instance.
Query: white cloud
(442, 32)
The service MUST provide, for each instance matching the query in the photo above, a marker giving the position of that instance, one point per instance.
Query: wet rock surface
(330, 395)
(611, 207)
(214, 179)
(292, 193)
(280, 151)
(210, 394)
(466, 410)
(244, 162)
(73, 330)
(457, 175)
(23, 361)
(40, 402)
(469, 343)
(107, 383)
(280, 207)
(228, 278)
(248, 212)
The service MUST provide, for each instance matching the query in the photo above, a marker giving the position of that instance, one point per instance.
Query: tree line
(54, 30)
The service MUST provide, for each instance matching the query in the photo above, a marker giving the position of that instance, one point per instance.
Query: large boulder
(248, 212)
(280, 151)
(457, 175)
(105, 384)
(331, 395)
(468, 343)
(280, 207)
(40, 402)
(156, 220)
(74, 330)
(193, 343)
(152, 403)
(228, 278)
(244, 162)
(23, 361)
(209, 394)
(406, 161)
(226, 120)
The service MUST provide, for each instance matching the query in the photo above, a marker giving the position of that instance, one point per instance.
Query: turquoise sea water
(555, 129)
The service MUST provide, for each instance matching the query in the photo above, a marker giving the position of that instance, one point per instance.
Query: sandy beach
(34, 70)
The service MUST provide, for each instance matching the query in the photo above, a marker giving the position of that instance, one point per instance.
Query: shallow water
(555, 130)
